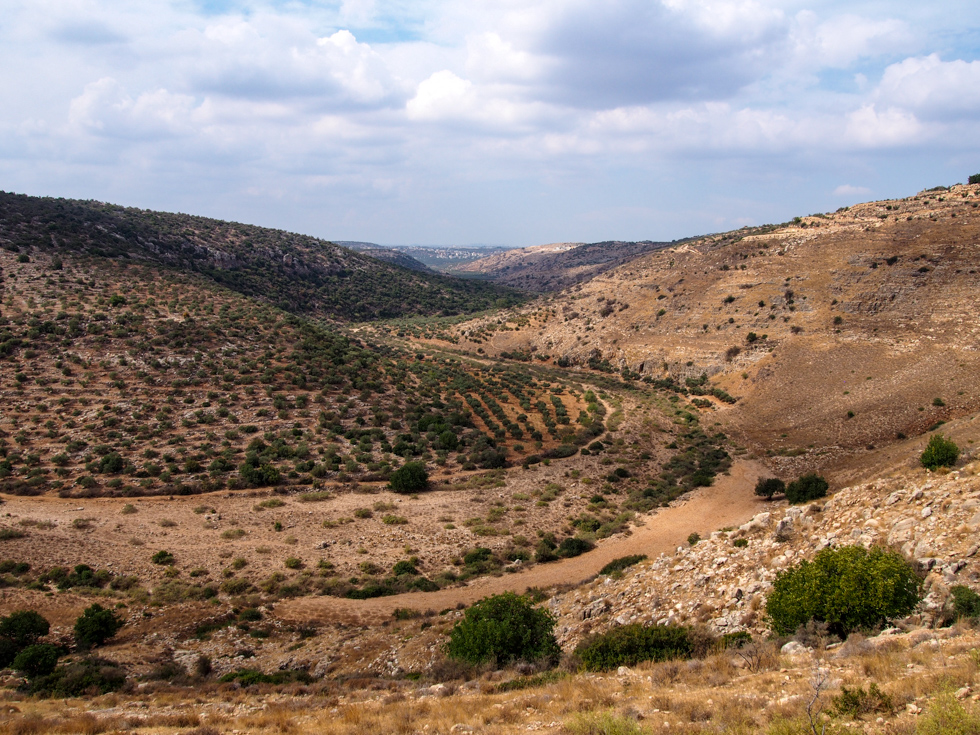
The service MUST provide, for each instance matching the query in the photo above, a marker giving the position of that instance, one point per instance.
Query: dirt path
(730, 502)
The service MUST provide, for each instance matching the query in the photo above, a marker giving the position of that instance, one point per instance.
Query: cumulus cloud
(931, 87)
(839, 41)
(640, 51)
(106, 109)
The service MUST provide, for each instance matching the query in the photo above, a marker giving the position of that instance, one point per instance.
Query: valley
(268, 453)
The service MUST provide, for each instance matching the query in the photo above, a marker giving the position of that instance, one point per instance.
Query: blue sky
(513, 122)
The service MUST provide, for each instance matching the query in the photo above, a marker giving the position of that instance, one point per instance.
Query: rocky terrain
(836, 332)
(546, 268)
(213, 467)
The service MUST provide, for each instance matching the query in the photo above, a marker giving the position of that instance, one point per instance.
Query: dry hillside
(837, 333)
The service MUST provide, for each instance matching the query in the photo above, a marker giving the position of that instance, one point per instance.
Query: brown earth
(729, 502)
(836, 333)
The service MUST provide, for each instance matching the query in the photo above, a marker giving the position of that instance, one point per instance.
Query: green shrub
(37, 660)
(95, 626)
(849, 588)
(24, 628)
(404, 567)
(939, 452)
(573, 546)
(503, 628)
(857, 702)
(945, 715)
(628, 645)
(80, 678)
(163, 557)
(966, 602)
(411, 477)
(766, 487)
(622, 562)
(805, 488)
(974, 179)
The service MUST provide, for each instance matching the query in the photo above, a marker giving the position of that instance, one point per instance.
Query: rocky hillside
(836, 332)
(294, 272)
(546, 268)
(722, 581)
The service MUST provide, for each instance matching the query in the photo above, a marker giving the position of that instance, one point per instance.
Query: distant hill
(552, 267)
(295, 272)
(388, 255)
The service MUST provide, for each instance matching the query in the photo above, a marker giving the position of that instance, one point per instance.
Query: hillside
(297, 273)
(546, 268)
(211, 462)
(837, 332)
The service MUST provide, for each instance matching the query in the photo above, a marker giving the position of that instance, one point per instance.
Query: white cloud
(106, 109)
(847, 190)
(869, 127)
(841, 40)
(932, 87)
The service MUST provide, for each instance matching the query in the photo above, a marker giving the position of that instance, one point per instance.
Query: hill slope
(295, 272)
(836, 332)
(545, 268)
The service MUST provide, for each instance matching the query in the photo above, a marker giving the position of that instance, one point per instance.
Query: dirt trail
(730, 502)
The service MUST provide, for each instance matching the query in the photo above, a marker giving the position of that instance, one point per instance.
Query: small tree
(95, 626)
(807, 487)
(769, 486)
(503, 628)
(411, 477)
(24, 628)
(939, 452)
(847, 588)
(37, 660)
(974, 179)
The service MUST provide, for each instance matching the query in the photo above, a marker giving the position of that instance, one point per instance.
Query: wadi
(258, 482)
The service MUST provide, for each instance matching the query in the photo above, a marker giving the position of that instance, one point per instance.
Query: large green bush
(849, 588)
(939, 452)
(411, 477)
(37, 660)
(503, 628)
(628, 645)
(95, 626)
(766, 487)
(807, 487)
(19, 630)
(80, 678)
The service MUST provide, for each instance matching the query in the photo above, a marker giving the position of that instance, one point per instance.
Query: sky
(508, 122)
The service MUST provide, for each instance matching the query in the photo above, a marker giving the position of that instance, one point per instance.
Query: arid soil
(729, 502)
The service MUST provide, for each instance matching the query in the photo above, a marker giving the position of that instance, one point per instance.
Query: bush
(23, 628)
(805, 488)
(411, 477)
(628, 645)
(80, 678)
(849, 588)
(768, 486)
(163, 557)
(974, 179)
(966, 602)
(503, 628)
(857, 702)
(37, 660)
(622, 562)
(573, 546)
(939, 452)
(95, 626)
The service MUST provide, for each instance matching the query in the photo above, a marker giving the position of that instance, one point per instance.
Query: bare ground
(731, 501)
